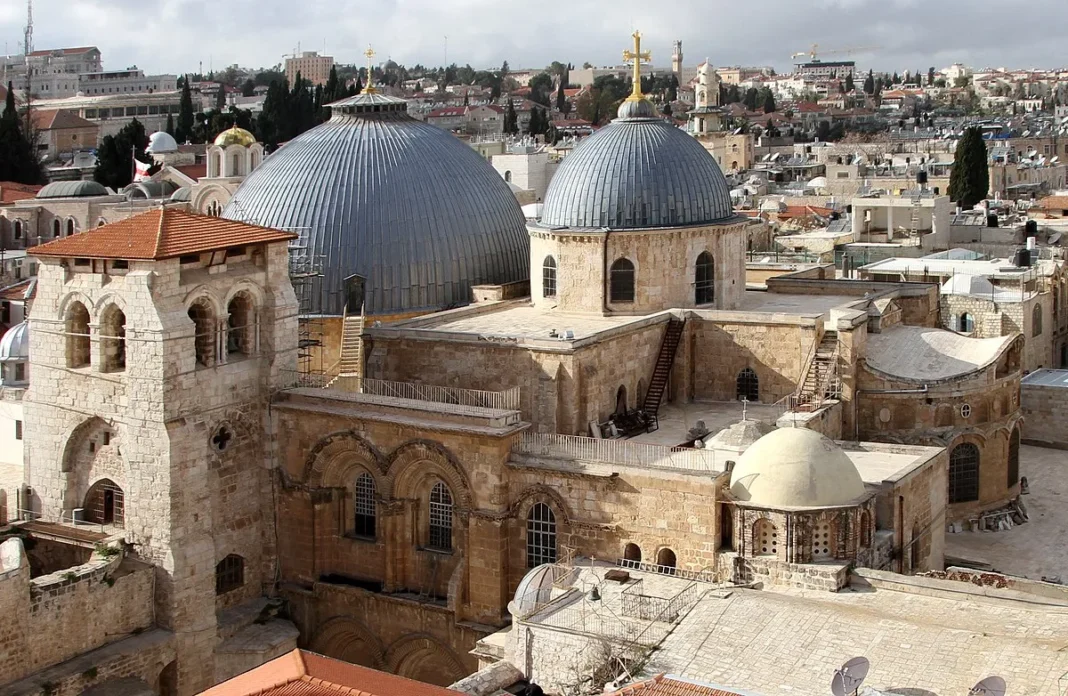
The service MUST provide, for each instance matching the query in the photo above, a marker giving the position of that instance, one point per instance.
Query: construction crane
(815, 50)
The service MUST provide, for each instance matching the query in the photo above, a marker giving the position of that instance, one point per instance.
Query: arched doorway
(726, 528)
(621, 401)
(105, 504)
(704, 280)
(665, 561)
(633, 553)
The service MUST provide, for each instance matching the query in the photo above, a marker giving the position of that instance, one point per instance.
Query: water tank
(992, 220)
(1022, 258)
(1031, 228)
(921, 177)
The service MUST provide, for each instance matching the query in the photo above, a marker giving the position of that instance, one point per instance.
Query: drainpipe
(856, 421)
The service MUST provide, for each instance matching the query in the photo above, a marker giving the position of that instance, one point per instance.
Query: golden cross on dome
(638, 56)
(369, 88)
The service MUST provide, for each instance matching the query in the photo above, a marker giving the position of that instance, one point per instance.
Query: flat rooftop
(990, 268)
(783, 303)
(1046, 378)
(790, 642)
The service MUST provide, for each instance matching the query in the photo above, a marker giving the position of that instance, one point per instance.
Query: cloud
(177, 35)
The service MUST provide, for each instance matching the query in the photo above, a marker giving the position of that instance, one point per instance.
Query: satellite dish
(991, 686)
(848, 678)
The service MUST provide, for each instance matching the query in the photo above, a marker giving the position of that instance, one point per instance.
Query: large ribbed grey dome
(400, 202)
(637, 173)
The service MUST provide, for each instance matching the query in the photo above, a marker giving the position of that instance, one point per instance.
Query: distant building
(125, 81)
(113, 111)
(312, 67)
(63, 132)
(831, 68)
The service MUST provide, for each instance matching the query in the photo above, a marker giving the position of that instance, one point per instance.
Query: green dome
(72, 189)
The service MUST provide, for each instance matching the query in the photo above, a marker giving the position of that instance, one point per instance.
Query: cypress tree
(561, 98)
(170, 125)
(220, 98)
(330, 92)
(769, 102)
(970, 180)
(511, 121)
(869, 83)
(185, 114)
(18, 159)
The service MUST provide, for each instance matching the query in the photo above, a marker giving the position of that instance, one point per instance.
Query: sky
(176, 36)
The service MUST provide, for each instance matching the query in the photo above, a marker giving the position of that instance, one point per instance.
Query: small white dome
(161, 142)
(796, 468)
(15, 344)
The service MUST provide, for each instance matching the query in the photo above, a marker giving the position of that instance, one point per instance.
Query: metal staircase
(669, 345)
(821, 379)
(914, 216)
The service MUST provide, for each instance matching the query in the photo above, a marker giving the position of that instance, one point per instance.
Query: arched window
(214, 169)
(236, 167)
(747, 385)
(77, 335)
(105, 504)
(240, 325)
(966, 323)
(229, 574)
(18, 229)
(508, 176)
(665, 561)
(765, 538)
(621, 400)
(112, 339)
(71, 227)
(56, 227)
(254, 160)
(1036, 320)
(101, 222)
(541, 535)
(704, 279)
(363, 499)
(440, 509)
(621, 281)
(203, 333)
(548, 277)
(1014, 458)
(964, 473)
(633, 553)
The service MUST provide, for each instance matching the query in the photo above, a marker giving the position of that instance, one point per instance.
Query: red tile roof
(64, 51)
(448, 111)
(661, 685)
(20, 292)
(11, 192)
(163, 233)
(193, 171)
(58, 119)
(303, 673)
(1048, 203)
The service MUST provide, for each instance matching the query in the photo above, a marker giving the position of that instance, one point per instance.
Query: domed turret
(235, 136)
(796, 468)
(15, 355)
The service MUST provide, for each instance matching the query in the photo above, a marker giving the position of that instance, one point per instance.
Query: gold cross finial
(638, 56)
(369, 88)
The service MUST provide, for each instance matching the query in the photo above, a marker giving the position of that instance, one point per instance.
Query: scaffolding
(306, 275)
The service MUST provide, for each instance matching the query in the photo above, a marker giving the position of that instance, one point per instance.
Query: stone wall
(55, 617)
(1045, 411)
(996, 319)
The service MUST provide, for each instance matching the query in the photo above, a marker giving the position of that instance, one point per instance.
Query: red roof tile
(64, 51)
(11, 192)
(20, 292)
(661, 685)
(58, 119)
(163, 233)
(193, 171)
(303, 673)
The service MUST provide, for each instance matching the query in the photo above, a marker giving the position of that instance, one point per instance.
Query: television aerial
(991, 686)
(848, 678)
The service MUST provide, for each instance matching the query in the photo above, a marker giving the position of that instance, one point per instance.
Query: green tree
(849, 86)
(220, 98)
(869, 83)
(248, 88)
(667, 108)
(511, 121)
(930, 76)
(184, 130)
(534, 125)
(769, 102)
(116, 154)
(18, 156)
(541, 87)
(751, 98)
(970, 180)
(330, 92)
(561, 97)
(169, 128)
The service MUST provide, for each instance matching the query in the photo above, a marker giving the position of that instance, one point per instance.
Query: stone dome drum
(796, 468)
(373, 192)
(637, 172)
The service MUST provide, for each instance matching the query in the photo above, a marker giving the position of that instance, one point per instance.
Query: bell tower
(676, 60)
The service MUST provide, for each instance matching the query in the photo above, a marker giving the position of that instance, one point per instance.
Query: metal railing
(507, 400)
(646, 567)
(622, 452)
(637, 605)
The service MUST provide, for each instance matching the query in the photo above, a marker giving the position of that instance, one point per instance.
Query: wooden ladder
(350, 366)
(669, 345)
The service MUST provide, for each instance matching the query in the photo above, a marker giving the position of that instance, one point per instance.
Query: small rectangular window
(120, 263)
(234, 252)
(81, 262)
(18, 430)
(189, 258)
(107, 438)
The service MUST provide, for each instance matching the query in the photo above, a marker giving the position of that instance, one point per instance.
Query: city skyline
(485, 34)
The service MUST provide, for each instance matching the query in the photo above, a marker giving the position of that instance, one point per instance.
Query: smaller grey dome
(161, 142)
(182, 195)
(15, 344)
(535, 589)
(72, 189)
(641, 108)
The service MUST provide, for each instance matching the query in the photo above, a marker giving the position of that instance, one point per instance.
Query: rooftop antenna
(991, 686)
(848, 678)
(28, 45)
